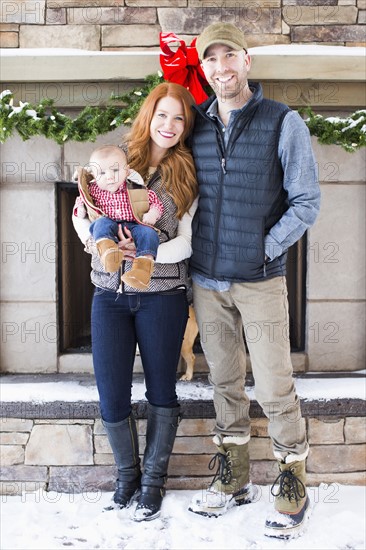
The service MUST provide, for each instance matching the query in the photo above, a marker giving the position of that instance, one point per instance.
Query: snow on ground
(57, 520)
(48, 521)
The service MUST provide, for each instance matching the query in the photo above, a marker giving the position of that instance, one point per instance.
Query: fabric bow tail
(182, 66)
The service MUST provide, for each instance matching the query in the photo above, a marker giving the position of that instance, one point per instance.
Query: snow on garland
(348, 132)
(45, 120)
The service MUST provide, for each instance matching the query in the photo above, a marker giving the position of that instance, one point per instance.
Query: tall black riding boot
(161, 430)
(123, 439)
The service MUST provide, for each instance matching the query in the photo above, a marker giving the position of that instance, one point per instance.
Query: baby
(112, 194)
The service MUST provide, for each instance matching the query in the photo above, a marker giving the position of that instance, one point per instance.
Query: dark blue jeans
(146, 239)
(156, 322)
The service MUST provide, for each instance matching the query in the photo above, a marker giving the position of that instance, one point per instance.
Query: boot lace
(290, 486)
(222, 463)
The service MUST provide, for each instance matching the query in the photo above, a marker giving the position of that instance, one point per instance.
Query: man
(258, 194)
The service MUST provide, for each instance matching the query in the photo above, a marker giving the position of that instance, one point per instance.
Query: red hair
(176, 168)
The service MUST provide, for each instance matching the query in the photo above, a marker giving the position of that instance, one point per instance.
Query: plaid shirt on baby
(116, 206)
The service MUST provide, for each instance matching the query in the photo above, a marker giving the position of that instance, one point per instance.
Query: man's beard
(225, 92)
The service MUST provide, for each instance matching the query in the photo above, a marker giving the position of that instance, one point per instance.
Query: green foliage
(349, 133)
(45, 120)
(134, 99)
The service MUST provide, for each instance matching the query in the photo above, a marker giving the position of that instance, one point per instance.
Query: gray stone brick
(336, 458)
(355, 430)
(15, 425)
(13, 488)
(92, 15)
(325, 431)
(11, 454)
(82, 479)
(85, 37)
(30, 12)
(130, 35)
(263, 471)
(332, 33)
(194, 445)
(319, 15)
(361, 17)
(310, 2)
(98, 427)
(158, 3)
(254, 19)
(24, 473)
(14, 438)
(103, 459)
(259, 427)
(101, 444)
(260, 448)
(199, 426)
(343, 478)
(56, 16)
(71, 444)
(9, 39)
(9, 27)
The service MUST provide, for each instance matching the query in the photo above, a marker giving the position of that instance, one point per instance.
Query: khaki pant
(262, 309)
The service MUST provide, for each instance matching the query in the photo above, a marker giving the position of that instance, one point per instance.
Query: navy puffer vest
(241, 192)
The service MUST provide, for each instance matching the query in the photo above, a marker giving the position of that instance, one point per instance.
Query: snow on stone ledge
(305, 49)
(75, 391)
(275, 49)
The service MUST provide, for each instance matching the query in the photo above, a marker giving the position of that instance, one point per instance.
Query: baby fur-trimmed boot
(292, 504)
(110, 255)
(140, 274)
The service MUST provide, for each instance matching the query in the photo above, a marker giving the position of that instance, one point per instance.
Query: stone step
(75, 396)
(52, 437)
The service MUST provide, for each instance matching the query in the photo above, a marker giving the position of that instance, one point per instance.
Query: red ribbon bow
(182, 66)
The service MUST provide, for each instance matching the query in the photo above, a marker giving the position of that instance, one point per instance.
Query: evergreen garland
(349, 132)
(44, 120)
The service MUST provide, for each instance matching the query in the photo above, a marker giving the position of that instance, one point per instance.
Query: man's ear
(248, 61)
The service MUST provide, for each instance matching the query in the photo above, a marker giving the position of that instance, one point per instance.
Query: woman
(155, 318)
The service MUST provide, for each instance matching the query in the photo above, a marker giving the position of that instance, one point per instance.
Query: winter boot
(292, 505)
(162, 424)
(140, 274)
(230, 485)
(110, 255)
(123, 439)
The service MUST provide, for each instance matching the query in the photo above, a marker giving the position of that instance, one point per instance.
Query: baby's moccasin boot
(110, 255)
(140, 274)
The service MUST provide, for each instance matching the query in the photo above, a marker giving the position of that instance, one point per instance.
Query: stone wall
(75, 456)
(122, 24)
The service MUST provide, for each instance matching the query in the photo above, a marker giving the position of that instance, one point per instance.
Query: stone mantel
(328, 76)
(277, 62)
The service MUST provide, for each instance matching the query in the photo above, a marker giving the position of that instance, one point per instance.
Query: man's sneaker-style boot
(123, 439)
(230, 485)
(292, 504)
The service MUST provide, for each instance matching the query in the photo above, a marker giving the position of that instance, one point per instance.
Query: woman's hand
(126, 242)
